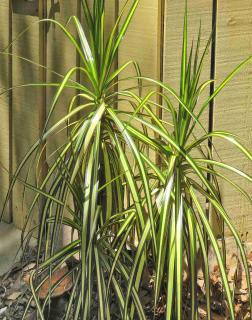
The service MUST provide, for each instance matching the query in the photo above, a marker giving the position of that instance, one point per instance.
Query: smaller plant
(183, 232)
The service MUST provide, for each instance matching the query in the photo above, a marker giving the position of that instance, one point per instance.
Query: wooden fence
(154, 40)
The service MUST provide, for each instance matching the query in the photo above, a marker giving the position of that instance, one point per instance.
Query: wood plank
(233, 111)
(4, 104)
(4, 4)
(42, 112)
(25, 107)
(110, 15)
(198, 12)
(61, 58)
(140, 41)
(140, 44)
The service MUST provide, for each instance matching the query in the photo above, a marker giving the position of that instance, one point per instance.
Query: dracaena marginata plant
(105, 186)
(188, 174)
(91, 185)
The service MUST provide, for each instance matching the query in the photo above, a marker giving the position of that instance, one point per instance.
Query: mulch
(15, 294)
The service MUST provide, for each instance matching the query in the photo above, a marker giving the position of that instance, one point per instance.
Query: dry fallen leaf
(27, 272)
(214, 278)
(247, 316)
(244, 298)
(64, 286)
(202, 312)
(2, 310)
(201, 283)
(216, 268)
(238, 308)
(232, 272)
(250, 256)
(244, 284)
(14, 295)
(29, 267)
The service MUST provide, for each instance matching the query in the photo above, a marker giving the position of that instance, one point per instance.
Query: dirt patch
(15, 293)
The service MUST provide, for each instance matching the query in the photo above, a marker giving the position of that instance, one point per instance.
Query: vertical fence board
(25, 105)
(140, 42)
(233, 111)
(198, 11)
(4, 105)
(61, 58)
(42, 13)
(110, 15)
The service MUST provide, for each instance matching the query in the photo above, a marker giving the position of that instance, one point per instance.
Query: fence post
(160, 58)
(210, 210)
(10, 85)
(43, 92)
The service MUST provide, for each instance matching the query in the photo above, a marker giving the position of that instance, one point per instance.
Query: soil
(15, 294)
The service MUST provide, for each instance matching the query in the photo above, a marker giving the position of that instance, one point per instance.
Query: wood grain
(25, 107)
(198, 12)
(4, 105)
(233, 111)
(61, 57)
(140, 42)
